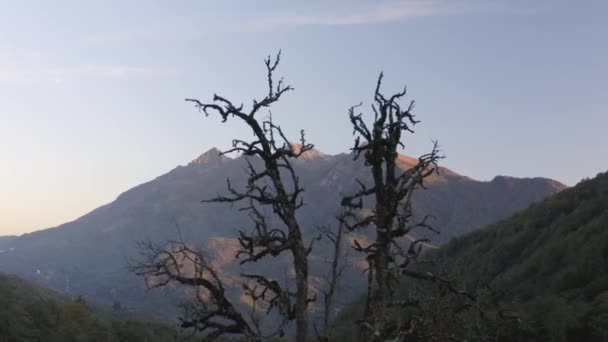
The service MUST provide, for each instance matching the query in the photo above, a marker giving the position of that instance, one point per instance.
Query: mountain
(548, 263)
(90, 255)
(5, 240)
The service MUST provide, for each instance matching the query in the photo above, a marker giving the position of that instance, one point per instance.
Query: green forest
(550, 262)
(30, 313)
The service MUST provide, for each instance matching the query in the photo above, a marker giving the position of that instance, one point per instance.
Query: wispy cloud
(129, 35)
(29, 74)
(381, 12)
(114, 71)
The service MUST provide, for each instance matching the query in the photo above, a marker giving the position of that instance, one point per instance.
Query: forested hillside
(550, 261)
(31, 313)
(546, 265)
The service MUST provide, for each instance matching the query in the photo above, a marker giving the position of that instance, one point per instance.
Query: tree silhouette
(395, 251)
(274, 185)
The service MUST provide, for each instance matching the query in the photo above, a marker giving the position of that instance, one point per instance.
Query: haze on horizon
(92, 93)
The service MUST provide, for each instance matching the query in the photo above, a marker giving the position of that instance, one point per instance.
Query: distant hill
(31, 313)
(90, 255)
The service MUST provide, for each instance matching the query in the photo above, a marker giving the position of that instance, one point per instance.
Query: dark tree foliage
(547, 263)
(29, 313)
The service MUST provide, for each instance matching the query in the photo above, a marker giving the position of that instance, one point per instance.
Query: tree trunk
(301, 268)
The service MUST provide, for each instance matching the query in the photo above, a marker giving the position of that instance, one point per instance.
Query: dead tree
(212, 314)
(390, 255)
(276, 186)
(443, 311)
(337, 265)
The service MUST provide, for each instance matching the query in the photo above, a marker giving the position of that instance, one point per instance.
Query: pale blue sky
(91, 92)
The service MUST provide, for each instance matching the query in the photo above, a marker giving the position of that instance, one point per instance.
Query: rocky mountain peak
(312, 154)
(211, 157)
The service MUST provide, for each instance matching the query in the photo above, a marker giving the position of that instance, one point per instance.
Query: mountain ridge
(94, 249)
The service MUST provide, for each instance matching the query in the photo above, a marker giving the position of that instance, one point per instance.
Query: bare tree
(441, 310)
(275, 185)
(393, 251)
(337, 265)
(212, 314)
(272, 186)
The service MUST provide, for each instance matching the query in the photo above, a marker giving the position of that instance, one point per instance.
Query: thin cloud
(382, 13)
(112, 71)
(30, 74)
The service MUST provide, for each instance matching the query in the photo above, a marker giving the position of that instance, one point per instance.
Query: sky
(92, 92)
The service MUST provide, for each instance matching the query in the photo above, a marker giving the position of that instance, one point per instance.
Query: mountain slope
(31, 313)
(558, 244)
(5, 240)
(89, 255)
